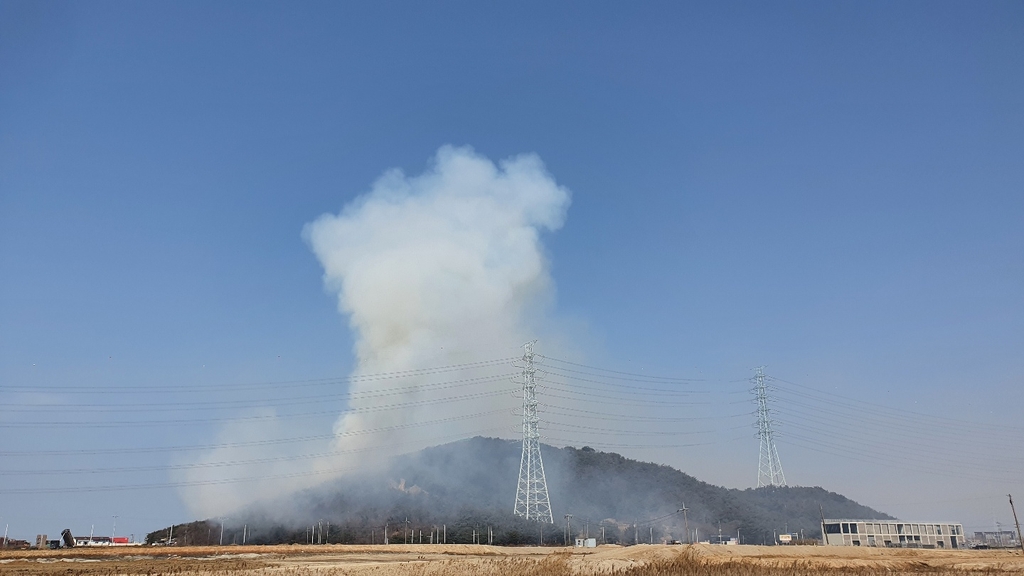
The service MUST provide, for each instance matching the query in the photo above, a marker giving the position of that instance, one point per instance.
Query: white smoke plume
(440, 269)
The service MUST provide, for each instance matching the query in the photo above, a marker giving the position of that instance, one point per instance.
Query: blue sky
(835, 190)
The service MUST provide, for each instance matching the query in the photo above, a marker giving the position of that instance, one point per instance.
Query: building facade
(997, 539)
(893, 534)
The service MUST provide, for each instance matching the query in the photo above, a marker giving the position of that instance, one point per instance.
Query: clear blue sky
(833, 189)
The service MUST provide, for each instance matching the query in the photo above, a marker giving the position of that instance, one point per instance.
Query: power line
(252, 443)
(641, 389)
(203, 465)
(589, 394)
(92, 389)
(108, 488)
(633, 374)
(940, 420)
(288, 401)
(144, 423)
(620, 417)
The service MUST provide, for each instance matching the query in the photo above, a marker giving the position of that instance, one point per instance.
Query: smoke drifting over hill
(446, 268)
(469, 486)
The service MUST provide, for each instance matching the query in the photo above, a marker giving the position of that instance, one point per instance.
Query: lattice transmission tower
(532, 495)
(769, 468)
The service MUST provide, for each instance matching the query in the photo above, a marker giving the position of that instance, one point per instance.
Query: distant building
(893, 534)
(586, 542)
(92, 541)
(998, 539)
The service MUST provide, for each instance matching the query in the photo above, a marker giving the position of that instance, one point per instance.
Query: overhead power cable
(559, 426)
(940, 420)
(92, 389)
(288, 401)
(247, 444)
(901, 463)
(589, 394)
(618, 402)
(631, 374)
(376, 453)
(631, 388)
(906, 439)
(554, 409)
(148, 423)
(195, 465)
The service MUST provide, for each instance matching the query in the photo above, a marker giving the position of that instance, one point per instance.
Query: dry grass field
(427, 560)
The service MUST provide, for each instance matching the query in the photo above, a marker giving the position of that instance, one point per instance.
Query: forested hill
(471, 484)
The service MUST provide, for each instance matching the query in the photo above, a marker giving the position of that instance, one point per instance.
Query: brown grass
(495, 561)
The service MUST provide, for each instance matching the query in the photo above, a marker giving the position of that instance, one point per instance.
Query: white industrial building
(893, 534)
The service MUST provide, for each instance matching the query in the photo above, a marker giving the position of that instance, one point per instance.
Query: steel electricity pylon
(769, 468)
(532, 495)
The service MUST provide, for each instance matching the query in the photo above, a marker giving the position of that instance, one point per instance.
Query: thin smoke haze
(442, 268)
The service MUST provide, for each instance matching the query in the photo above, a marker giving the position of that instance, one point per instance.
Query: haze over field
(246, 249)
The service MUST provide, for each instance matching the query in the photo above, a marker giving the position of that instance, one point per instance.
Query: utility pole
(1019, 541)
(385, 533)
(769, 469)
(824, 538)
(686, 522)
(113, 530)
(652, 534)
(568, 529)
(406, 529)
(532, 500)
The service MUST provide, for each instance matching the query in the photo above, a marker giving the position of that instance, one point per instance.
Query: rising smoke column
(442, 268)
(439, 269)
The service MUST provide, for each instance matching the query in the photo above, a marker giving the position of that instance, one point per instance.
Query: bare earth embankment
(459, 559)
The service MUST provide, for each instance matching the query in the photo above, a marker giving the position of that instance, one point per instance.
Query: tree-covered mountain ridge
(469, 486)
